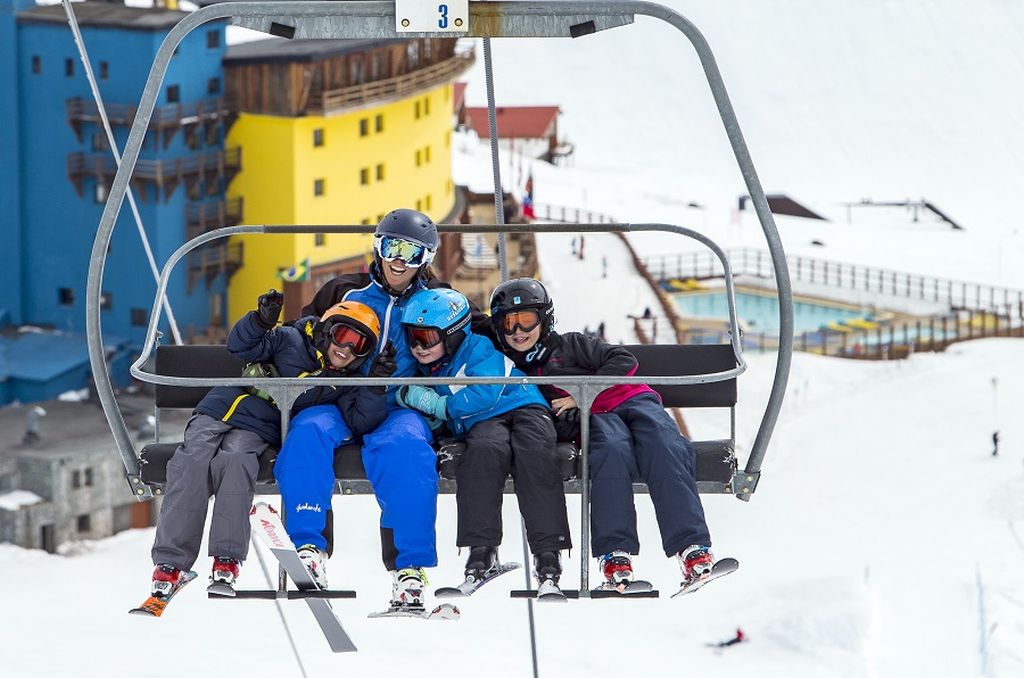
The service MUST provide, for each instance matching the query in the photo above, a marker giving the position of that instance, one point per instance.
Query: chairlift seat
(716, 459)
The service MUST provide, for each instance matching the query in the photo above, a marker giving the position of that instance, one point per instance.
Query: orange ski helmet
(352, 323)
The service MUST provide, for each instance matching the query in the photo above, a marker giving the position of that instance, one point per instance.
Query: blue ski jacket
(290, 349)
(467, 405)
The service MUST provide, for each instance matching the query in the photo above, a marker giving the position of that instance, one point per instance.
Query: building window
(212, 39)
(419, 157)
(213, 86)
(88, 477)
(320, 239)
(412, 54)
(416, 110)
(66, 296)
(140, 317)
(426, 154)
(69, 67)
(104, 70)
(357, 71)
(364, 176)
(106, 301)
(318, 187)
(76, 480)
(427, 202)
(173, 94)
(377, 65)
(380, 172)
(84, 524)
(37, 64)
(101, 191)
(364, 127)
(365, 222)
(380, 218)
(419, 205)
(378, 123)
(426, 105)
(318, 137)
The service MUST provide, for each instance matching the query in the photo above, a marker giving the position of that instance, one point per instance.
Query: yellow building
(335, 132)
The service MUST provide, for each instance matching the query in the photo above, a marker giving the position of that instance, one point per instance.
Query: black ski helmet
(522, 293)
(410, 225)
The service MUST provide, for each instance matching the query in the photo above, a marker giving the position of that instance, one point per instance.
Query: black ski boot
(548, 567)
(482, 560)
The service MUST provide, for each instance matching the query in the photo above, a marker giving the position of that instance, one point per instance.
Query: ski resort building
(335, 132)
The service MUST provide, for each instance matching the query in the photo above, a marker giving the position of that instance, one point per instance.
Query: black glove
(268, 309)
(383, 365)
(567, 425)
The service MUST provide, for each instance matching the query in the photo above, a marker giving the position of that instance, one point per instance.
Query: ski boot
(315, 561)
(165, 578)
(696, 562)
(407, 588)
(617, 569)
(482, 561)
(225, 571)
(547, 569)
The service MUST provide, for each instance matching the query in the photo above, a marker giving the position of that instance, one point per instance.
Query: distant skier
(735, 640)
(995, 443)
(604, 266)
(632, 436)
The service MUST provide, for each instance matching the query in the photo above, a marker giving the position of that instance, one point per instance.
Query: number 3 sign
(431, 16)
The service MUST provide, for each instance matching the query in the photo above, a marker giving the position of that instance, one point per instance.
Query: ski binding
(471, 585)
(719, 569)
(154, 606)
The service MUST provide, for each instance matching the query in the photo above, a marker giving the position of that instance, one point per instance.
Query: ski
(445, 612)
(637, 587)
(472, 584)
(267, 525)
(719, 569)
(221, 589)
(154, 606)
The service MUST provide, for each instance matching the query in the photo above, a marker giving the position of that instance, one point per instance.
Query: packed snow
(884, 539)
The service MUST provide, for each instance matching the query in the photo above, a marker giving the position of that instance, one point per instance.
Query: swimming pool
(761, 312)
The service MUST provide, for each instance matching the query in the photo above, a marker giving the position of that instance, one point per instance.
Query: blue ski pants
(639, 441)
(400, 464)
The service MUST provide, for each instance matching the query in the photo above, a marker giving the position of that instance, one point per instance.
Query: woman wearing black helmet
(398, 456)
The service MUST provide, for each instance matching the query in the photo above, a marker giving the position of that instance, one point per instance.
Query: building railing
(957, 294)
(334, 100)
(102, 164)
(201, 217)
(569, 215)
(172, 115)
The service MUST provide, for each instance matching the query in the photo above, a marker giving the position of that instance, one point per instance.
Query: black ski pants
(639, 441)
(520, 442)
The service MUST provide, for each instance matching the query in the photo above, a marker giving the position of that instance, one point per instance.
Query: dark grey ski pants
(219, 460)
(639, 441)
(521, 442)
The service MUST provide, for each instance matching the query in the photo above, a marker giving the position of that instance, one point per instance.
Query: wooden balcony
(166, 120)
(165, 174)
(211, 260)
(201, 217)
(331, 101)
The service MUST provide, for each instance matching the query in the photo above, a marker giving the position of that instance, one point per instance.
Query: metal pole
(90, 76)
(280, 612)
(492, 124)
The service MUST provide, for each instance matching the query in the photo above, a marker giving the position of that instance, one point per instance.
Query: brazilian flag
(297, 273)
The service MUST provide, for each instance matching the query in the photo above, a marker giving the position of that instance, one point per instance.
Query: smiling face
(521, 340)
(340, 357)
(397, 275)
(425, 356)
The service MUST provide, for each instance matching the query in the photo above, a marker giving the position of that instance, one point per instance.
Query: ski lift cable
(83, 53)
(376, 19)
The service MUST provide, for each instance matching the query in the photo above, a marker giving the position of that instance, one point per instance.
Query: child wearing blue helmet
(507, 429)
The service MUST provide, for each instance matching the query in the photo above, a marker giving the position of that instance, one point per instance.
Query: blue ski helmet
(440, 309)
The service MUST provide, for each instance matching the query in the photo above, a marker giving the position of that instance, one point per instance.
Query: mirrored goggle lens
(425, 337)
(521, 320)
(390, 248)
(343, 334)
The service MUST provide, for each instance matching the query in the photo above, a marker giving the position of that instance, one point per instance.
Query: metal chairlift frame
(376, 20)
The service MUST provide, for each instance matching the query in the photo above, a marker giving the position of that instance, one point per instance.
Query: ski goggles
(522, 321)
(346, 335)
(412, 253)
(424, 337)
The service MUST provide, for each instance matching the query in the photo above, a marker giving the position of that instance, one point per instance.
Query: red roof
(458, 96)
(516, 122)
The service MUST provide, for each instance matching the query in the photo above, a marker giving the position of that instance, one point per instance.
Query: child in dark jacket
(507, 428)
(232, 426)
(632, 437)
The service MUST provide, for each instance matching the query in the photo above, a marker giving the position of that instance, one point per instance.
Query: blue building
(57, 169)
